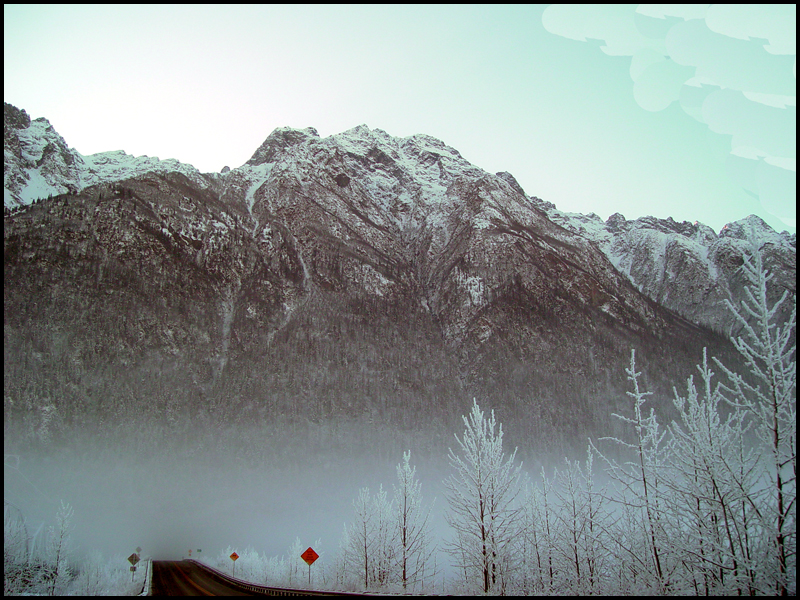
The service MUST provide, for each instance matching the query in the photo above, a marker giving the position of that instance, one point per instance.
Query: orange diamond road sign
(234, 556)
(133, 559)
(309, 556)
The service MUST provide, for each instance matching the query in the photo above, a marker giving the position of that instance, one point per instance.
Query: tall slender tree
(414, 540)
(361, 538)
(639, 478)
(59, 549)
(482, 496)
(712, 472)
(769, 395)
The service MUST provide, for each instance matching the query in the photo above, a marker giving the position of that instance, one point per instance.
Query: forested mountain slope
(341, 290)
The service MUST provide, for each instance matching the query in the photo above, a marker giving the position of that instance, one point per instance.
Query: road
(182, 578)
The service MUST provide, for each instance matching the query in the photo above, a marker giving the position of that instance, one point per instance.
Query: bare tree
(361, 537)
(17, 569)
(294, 564)
(536, 548)
(59, 549)
(369, 546)
(384, 541)
(571, 524)
(769, 395)
(639, 478)
(712, 474)
(414, 539)
(482, 496)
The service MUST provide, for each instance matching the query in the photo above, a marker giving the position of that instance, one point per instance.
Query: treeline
(704, 505)
(100, 192)
(41, 563)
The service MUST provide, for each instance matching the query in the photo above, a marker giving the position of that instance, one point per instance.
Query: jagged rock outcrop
(359, 288)
(687, 267)
(38, 163)
(278, 141)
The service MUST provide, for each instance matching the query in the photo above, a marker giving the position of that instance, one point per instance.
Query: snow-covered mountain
(38, 163)
(687, 267)
(358, 286)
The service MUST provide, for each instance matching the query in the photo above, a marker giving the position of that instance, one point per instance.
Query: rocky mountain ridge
(355, 287)
(684, 266)
(38, 163)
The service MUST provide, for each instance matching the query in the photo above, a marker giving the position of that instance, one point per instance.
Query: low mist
(169, 501)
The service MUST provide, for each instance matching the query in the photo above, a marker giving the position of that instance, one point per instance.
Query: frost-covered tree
(712, 474)
(101, 575)
(769, 395)
(482, 496)
(639, 482)
(571, 524)
(533, 544)
(37, 568)
(538, 544)
(369, 548)
(384, 543)
(17, 568)
(565, 539)
(343, 561)
(361, 538)
(579, 530)
(91, 578)
(413, 538)
(389, 542)
(58, 550)
(294, 564)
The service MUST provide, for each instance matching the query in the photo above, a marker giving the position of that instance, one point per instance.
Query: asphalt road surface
(181, 578)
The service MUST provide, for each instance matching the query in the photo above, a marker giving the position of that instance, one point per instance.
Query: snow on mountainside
(406, 178)
(391, 200)
(347, 287)
(37, 162)
(686, 267)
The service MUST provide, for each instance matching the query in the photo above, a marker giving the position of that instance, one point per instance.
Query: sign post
(133, 559)
(309, 556)
(234, 556)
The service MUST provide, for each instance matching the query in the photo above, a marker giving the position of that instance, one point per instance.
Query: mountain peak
(277, 141)
(744, 229)
(512, 181)
(37, 161)
(358, 130)
(14, 117)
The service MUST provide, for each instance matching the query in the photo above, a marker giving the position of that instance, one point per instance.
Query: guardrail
(148, 578)
(273, 591)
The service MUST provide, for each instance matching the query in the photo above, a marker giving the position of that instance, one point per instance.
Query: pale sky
(683, 111)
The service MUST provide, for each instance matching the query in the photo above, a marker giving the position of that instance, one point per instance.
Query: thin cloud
(730, 67)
